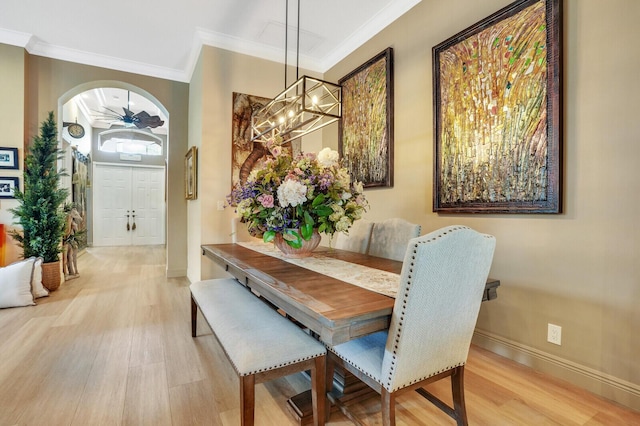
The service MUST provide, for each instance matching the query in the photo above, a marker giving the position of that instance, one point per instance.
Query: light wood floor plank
(56, 383)
(147, 398)
(192, 404)
(104, 393)
(114, 347)
(147, 346)
(79, 309)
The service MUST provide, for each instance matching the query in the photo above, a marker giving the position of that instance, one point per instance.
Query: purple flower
(324, 181)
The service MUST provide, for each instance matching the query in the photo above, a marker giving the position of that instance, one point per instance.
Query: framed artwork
(365, 133)
(8, 186)
(191, 174)
(8, 158)
(497, 113)
(245, 154)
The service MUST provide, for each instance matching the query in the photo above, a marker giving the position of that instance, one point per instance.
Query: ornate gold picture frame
(191, 174)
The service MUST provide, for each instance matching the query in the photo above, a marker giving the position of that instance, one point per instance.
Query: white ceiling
(162, 38)
(100, 105)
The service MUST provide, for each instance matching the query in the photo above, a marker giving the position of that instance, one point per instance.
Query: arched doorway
(116, 134)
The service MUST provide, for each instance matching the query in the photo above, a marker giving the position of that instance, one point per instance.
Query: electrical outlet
(554, 334)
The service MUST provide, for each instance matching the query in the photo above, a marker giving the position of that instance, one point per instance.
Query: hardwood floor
(114, 347)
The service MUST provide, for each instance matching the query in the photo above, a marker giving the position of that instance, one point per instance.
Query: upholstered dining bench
(260, 343)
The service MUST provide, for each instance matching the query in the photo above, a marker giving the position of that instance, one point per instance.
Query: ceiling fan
(141, 119)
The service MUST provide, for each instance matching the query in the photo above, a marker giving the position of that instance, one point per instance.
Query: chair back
(389, 238)
(239, 231)
(357, 238)
(436, 309)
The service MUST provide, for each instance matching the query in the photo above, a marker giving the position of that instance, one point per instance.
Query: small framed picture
(8, 158)
(8, 186)
(191, 174)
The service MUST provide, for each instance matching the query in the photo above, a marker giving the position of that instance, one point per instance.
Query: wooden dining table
(336, 311)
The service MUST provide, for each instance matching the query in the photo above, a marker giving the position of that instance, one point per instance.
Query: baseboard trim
(176, 273)
(605, 385)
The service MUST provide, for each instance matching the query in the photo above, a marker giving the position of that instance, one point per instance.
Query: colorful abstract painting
(366, 129)
(497, 114)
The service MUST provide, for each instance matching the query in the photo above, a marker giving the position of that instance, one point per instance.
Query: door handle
(128, 226)
(133, 227)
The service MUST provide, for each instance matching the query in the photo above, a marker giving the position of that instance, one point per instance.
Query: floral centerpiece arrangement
(295, 197)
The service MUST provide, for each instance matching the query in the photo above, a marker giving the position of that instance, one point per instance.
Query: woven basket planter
(51, 275)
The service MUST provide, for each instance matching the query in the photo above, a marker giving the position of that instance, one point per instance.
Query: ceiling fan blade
(143, 119)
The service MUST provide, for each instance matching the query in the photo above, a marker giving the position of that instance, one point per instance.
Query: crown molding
(202, 37)
(14, 38)
(367, 31)
(105, 61)
(223, 41)
(37, 47)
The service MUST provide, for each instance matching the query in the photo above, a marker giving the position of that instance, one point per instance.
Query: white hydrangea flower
(338, 213)
(291, 193)
(342, 178)
(328, 157)
(343, 224)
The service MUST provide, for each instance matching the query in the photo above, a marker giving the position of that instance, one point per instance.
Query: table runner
(382, 282)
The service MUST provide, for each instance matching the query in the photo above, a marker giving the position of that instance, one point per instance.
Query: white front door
(147, 206)
(128, 205)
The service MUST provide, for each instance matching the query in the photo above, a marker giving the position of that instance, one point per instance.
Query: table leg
(346, 385)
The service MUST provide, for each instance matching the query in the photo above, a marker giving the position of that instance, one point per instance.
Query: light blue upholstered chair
(389, 238)
(357, 239)
(435, 312)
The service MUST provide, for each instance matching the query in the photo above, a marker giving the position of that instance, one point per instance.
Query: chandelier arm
(303, 107)
(298, 44)
(286, 40)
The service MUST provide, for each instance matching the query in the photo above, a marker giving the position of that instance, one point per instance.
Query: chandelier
(307, 105)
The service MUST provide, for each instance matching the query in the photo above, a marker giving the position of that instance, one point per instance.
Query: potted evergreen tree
(40, 210)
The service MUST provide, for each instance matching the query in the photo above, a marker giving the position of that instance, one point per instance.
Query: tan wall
(48, 79)
(12, 125)
(218, 74)
(580, 269)
(194, 217)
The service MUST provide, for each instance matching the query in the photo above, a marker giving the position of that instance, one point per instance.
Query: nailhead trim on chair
(404, 305)
(345, 359)
(395, 389)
